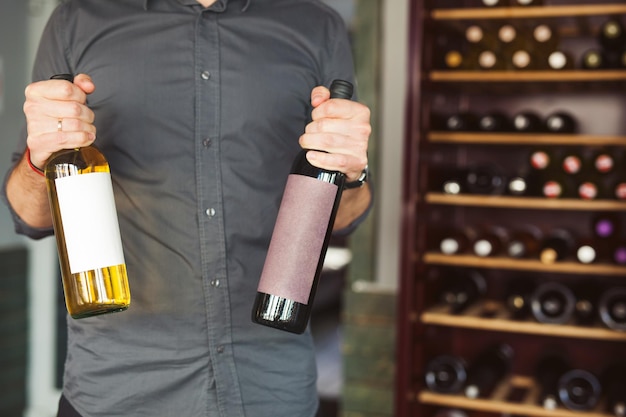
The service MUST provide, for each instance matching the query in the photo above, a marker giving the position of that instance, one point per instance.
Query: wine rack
(427, 326)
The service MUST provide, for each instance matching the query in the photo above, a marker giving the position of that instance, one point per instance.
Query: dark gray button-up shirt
(199, 114)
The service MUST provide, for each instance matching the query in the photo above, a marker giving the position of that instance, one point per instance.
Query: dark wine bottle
(587, 252)
(518, 297)
(594, 59)
(518, 185)
(524, 242)
(462, 122)
(548, 371)
(617, 186)
(552, 302)
(579, 390)
(561, 122)
(495, 3)
(606, 226)
(572, 163)
(541, 159)
(587, 294)
(614, 385)
(560, 60)
(619, 253)
(557, 245)
(528, 122)
(490, 242)
(612, 308)
(528, 2)
(489, 59)
(495, 122)
(461, 289)
(558, 186)
(487, 370)
(604, 161)
(612, 36)
(457, 241)
(446, 374)
(298, 246)
(546, 40)
(484, 179)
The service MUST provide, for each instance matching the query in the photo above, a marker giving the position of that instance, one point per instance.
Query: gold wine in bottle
(87, 232)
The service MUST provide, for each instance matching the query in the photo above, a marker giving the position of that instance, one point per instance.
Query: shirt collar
(219, 5)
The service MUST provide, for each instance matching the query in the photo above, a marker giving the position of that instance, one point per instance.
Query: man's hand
(341, 129)
(57, 117)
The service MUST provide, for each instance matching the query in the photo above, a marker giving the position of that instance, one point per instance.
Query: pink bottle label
(298, 237)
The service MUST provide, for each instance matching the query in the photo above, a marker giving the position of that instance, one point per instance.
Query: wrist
(32, 166)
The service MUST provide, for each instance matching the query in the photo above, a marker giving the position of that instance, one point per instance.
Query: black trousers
(66, 409)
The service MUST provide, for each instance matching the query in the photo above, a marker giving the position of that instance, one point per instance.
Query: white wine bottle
(87, 232)
(299, 241)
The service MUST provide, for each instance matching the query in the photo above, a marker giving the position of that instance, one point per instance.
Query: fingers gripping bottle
(299, 241)
(87, 232)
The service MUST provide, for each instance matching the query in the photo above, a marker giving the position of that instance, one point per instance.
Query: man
(200, 108)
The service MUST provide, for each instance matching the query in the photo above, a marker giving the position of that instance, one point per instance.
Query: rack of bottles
(514, 210)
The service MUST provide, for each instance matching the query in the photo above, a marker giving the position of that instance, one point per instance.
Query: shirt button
(215, 283)
(210, 212)
(206, 143)
(220, 349)
(205, 75)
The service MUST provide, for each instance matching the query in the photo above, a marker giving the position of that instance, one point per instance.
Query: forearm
(27, 195)
(353, 204)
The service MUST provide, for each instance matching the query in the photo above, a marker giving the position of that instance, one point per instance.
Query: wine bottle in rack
(542, 159)
(490, 242)
(572, 163)
(524, 242)
(487, 370)
(460, 289)
(549, 369)
(557, 246)
(617, 186)
(446, 374)
(618, 253)
(495, 3)
(559, 186)
(561, 122)
(614, 385)
(560, 60)
(457, 241)
(606, 226)
(518, 294)
(489, 59)
(291, 272)
(89, 243)
(604, 161)
(528, 122)
(612, 308)
(495, 122)
(590, 188)
(518, 185)
(587, 294)
(484, 179)
(546, 41)
(462, 122)
(579, 390)
(589, 251)
(526, 3)
(612, 36)
(594, 59)
(553, 303)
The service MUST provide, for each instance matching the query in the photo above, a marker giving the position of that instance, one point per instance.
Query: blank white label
(92, 233)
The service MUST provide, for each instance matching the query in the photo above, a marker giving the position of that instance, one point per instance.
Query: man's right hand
(57, 117)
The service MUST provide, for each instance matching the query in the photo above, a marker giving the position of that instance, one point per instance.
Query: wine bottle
(559, 186)
(546, 39)
(552, 302)
(487, 370)
(463, 121)
(560, 60)
(299, 241)
(612, 308)
(579, 390)
(529, 2)
(589, 190)
(619, 253)
(542, 159)
(93, 270)
(494, 3)
(524, 242)
(587, 252)
(603, 161)
(462, 289)
(518, 185)
(612, 36)
(572, 163)
(489, 59)
(557, 246)
(446, 374)
(594, 59)
(517, 297)
(587, 294)
(548, 371)
(484, 179)
(457, 241)
(495, 122)
(561, 122)
(606, 226)
(528, 122)
(614, 384)
(491, 242)
(617, 187)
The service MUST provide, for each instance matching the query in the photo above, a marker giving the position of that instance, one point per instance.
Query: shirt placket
(211, 216)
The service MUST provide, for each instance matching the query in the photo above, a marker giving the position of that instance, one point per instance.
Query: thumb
(319, 95)
(84, 82)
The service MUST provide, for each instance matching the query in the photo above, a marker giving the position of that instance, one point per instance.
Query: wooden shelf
(493, 316)
(508, 138)
(528, 12)
(472, 261)
(528, 76)
(534, 203)
(499, 404)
